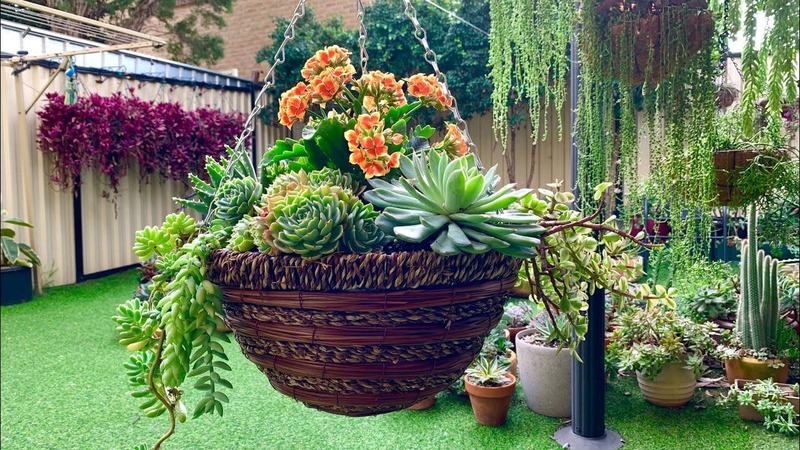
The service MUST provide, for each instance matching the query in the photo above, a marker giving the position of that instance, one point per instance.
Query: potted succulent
(665, 350)
(495, 346)
(545, 368)
(16, 261)
(775, 404)
(517, 317)
(757, 350)
(490, 387)
(712, 303)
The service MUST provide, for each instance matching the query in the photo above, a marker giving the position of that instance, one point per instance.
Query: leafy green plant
(770, 399)
(709, 303)
(580, 255)
(488, 372)
(496, 346)
(12, 251)
(645, 340)
(549, 332)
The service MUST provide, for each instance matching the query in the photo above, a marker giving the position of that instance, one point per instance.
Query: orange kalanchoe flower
(428, 91)
(454, 143)
(329, 57)
(381, 91)
(293, 105)
(368, 147)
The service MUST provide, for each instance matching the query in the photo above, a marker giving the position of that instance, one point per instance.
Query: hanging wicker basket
(728, 166)
(362, 334)
(647, 33)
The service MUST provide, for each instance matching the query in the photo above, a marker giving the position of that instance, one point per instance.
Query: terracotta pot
(672, 387)
(512, 334)
(512, 360)
(490, 404)
(546, 377)
(750, 413)
(424, 404)
(747, 368)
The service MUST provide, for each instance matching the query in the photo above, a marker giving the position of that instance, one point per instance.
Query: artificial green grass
(63, 387)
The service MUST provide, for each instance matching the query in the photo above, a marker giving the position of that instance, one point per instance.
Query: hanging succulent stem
(170, 406)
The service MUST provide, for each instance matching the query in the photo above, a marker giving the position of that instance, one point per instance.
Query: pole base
(568, 439)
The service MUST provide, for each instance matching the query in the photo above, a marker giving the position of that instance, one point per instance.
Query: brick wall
(250, 24)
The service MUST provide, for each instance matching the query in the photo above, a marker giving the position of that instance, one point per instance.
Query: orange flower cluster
(428, 91)
(327, 71)
(368, 145)
(293, 105)
(381, 91)
(454, 143)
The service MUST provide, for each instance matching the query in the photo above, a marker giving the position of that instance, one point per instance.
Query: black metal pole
(588, 377)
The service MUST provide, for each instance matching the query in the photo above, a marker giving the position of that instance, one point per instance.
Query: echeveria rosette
(308, 222)
(361, 234)
(236, 198)
(333, 177)
(242, 239)
(451, 202)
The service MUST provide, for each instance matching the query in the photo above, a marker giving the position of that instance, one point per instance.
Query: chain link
(430, 58)
(362, 37)
(269, 81)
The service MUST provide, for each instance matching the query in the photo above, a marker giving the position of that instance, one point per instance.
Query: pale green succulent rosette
(236, 198)
(452, 202)
(361, 234)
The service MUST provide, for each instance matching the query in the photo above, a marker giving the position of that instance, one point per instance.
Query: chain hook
(430, 58)
(362, 36)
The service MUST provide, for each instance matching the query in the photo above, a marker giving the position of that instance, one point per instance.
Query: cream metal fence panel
(107, 235)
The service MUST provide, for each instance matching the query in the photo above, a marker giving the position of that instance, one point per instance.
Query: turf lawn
(63, 387)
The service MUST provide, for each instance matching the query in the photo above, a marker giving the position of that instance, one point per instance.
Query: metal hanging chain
(430, 57)
(362, 37)
(261, 98)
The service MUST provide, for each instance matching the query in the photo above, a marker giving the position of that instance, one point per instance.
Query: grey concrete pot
(545, 377)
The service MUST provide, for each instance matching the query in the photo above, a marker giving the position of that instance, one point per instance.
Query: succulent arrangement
(771, 400)
(518, 315)
(357, 180)
(645, 340)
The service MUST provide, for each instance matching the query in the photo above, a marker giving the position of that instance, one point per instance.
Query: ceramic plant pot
(16, 284)
(546, 377)
(672, 387)
(490, 404)
(747, 368)
(750, 413)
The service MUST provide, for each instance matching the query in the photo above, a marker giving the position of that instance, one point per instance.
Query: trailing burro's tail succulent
(757, 321)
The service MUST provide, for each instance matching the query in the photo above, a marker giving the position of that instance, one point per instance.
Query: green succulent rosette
(361, 234)
(308, 222)
(236, 198)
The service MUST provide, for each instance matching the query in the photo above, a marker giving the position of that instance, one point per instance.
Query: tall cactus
(757, 320)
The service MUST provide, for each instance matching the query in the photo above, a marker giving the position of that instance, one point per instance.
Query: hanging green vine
(770, 70)
(528, 56)
(657, 57)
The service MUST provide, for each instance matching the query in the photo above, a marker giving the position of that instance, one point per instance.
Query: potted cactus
(754, 353)
(490, 387)
(16, 261)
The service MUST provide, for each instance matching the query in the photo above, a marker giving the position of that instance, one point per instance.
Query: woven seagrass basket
(362, 334)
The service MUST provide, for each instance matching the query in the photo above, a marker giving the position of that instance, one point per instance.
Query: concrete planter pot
(489, 403)
(545, 377)
(672, 387)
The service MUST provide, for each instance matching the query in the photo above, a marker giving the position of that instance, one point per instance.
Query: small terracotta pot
(512, 361)
(747, 368)
(750, 413)
(490, 404)
(424, 404)
(672, 387)
(512, 334)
